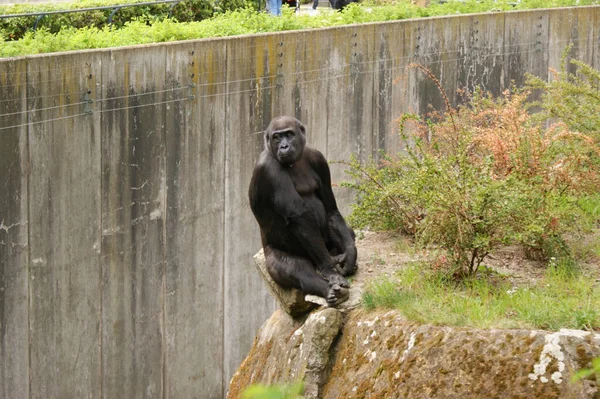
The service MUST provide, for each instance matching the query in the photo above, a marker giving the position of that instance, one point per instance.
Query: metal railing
(115, 8)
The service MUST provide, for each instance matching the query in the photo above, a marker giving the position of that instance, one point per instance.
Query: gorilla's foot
(337, 294)
(338, 279)
(349, 271)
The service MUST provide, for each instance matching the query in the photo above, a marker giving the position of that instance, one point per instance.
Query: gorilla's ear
(302, 128)
(266, 138)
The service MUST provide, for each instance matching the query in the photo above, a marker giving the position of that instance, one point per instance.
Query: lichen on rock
(287, 350)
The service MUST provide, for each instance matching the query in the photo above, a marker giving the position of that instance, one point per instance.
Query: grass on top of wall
(247, 21)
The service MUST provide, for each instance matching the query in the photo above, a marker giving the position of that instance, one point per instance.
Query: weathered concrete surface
(194, 338)
(380, 355)
(289, 350)
(64, 231)
(14, 253)
(133, 240)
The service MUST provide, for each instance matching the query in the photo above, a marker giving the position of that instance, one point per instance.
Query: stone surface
(287, 350)
(381, 355)
(290, 300)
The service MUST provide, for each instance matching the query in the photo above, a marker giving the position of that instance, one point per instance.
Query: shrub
(185, 11)
(572, 97)
(194, 14)
(478, 176)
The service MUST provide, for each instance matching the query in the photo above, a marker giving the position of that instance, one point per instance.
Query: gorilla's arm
(341, 235)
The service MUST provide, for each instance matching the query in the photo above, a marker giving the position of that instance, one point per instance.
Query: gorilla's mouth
(287, 157)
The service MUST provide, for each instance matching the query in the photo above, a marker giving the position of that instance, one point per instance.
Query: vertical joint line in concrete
(101, 246)
(224, 222)
(164, 240)
(28, 235)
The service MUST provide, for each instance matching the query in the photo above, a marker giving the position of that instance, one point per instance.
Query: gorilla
(306, 241)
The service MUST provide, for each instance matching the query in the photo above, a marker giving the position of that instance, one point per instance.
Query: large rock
(287, 350)
(291, 300)
(381, 355)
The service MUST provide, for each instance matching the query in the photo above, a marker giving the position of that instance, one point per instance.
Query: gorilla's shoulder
(266, 165)
(314, 156)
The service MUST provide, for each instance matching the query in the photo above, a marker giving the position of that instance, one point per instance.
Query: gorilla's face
(285, 138)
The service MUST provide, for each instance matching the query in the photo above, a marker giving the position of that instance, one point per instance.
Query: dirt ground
(382, 253)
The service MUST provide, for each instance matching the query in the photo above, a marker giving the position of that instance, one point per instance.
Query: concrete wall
(126, 239)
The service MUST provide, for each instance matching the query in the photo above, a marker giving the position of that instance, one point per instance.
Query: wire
(286, 43)
(88, 113)
(117, 6)
(352, 68)
(42, 121)
(225, 65)
(42, 109)
(144, 105)
(143, 94)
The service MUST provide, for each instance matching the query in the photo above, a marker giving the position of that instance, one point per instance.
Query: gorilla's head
(285, 139)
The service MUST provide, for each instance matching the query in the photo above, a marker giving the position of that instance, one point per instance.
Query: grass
(247, 21)
(561, 299)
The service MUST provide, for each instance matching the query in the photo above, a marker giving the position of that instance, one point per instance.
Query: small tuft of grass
(278, 391)
(406, 245)
(561, 299)
(382, 294)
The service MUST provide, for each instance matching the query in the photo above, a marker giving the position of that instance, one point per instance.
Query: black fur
(307, 243)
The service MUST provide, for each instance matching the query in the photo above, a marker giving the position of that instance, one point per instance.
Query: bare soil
(383, 253)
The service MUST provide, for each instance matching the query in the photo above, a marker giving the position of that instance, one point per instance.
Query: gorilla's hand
(337, 295)
(347, 261)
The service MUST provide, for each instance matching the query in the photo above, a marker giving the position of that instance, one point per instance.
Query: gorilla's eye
(288, 134)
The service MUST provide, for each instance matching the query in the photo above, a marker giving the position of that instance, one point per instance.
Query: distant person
(340, 4)
(274, 7)
(315, 4)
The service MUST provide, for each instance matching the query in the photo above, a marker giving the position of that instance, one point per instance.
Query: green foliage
(591, 372)
(202, 19)
(572, 96)
(185, 11)
(561, 299)
(385, 203)
(382, 294)
(479, 176)
(259, 391)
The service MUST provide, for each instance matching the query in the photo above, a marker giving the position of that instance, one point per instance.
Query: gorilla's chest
(306, 181)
